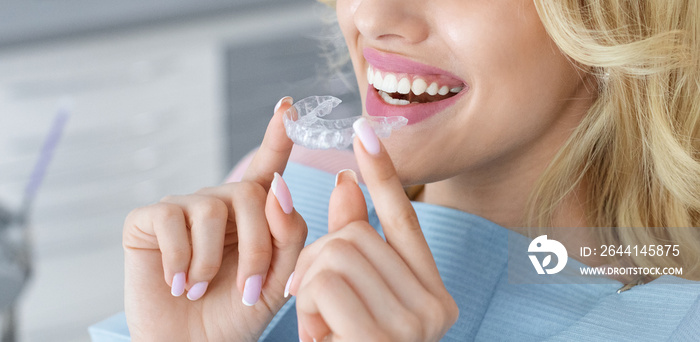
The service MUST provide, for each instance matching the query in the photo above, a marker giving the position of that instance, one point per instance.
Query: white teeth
(385, 96)
(388, 99)
(390, 83)
(432, 89)
(404, 86)
(377, 82)
(419, 86)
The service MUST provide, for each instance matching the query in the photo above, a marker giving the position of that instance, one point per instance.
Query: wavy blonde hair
(636, 153)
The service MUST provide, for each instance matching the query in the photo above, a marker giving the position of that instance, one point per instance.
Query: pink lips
(415, 112)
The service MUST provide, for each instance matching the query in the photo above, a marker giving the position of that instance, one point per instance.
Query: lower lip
(414, 112)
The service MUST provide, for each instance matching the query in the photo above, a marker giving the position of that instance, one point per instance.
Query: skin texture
(483, 154)
(480, 155)
(219, 235)
(353, 285)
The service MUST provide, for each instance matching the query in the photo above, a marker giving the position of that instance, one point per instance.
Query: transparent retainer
(307, 126)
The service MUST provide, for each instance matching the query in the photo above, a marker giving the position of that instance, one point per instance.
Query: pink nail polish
(178, 285)
(251, 290)
(197, 290)
(281, 192)
(289, 284)
(367, 136)
(286, 99)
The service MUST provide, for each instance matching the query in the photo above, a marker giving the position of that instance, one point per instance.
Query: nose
(392, 20)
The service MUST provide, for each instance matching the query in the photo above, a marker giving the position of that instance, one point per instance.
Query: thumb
(347, 203)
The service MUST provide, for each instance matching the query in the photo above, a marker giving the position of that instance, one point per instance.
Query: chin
(410, 167)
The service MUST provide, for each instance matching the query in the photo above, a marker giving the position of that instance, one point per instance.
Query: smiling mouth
(403, 89)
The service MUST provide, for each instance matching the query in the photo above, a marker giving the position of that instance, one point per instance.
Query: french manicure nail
(281, 192)
(289, 284)
(178, 286)
(251, 290)
(367, 136)
(286, 99)
(347, 173)
(197, 290)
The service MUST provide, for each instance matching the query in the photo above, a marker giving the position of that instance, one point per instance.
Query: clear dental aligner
(306, 126)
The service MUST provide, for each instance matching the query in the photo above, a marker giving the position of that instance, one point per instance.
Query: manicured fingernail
(281, 192)
(367, 136)
(251, 290)
(289, 283)
(286, 99)
(197, 290)
(178, 287)
(345, 174)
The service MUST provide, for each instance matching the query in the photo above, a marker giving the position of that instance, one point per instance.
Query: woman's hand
(231, 248)
(352, 285)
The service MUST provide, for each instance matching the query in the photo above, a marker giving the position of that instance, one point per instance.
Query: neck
(504, 201)
(500, 193)
(498, 198)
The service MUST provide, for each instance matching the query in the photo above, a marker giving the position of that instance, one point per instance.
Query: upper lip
(398, 64)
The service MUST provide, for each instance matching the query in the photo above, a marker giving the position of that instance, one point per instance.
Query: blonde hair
(330, 3)
(635, 154)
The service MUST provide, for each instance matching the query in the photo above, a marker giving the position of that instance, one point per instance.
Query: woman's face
(493, 92)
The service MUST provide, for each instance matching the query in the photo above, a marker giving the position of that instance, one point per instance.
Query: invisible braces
(305, 124)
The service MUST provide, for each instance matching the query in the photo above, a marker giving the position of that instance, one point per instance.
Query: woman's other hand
(354, 286)
(229, 248)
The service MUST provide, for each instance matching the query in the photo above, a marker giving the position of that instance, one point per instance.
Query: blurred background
(162, 97)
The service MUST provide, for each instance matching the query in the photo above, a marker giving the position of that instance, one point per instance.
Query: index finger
(394, 209)
(273, 154)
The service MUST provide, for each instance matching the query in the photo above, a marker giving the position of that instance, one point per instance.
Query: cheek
(431, 151)
(518, 80)
(520, 85)
(502, 46)
(519, 77)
